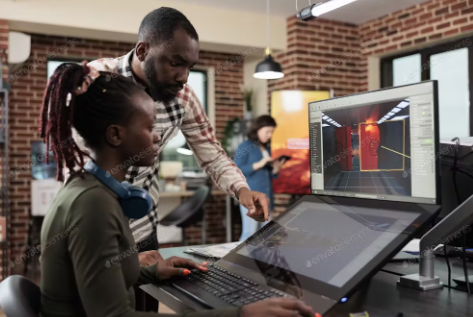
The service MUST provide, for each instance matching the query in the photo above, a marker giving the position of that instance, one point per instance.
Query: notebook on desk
(214, 251)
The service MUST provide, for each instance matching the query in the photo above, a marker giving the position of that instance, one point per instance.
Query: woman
(89, 262)
(254, 159)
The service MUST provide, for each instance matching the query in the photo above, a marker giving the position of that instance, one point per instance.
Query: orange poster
(290, 110)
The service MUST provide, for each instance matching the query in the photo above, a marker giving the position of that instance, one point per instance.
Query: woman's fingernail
(187, 272)
(318, 315)
(204, 268)
(206, 263)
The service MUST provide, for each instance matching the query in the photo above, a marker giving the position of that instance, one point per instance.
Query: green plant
(229, 132)
(248, 97)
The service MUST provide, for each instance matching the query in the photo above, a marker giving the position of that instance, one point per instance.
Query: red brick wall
(423, 24)
(321, 55)
(26, 97)
(3, 46)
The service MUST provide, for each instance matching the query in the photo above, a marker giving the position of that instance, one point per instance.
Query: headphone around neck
(135, 201)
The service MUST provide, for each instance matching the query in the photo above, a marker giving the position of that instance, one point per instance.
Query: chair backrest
(19, 297)
(190, 211)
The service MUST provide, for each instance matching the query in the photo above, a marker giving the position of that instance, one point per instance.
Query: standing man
(167, 49)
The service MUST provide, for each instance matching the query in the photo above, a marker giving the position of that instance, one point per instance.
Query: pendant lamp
(268, 68)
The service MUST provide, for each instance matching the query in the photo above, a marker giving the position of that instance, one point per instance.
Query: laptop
(365, 205)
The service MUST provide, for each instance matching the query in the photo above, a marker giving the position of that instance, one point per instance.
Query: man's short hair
(159, 26)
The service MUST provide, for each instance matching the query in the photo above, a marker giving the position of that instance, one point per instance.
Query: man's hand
(280, 307)
(175, 266)
(149, 258)
(257, 204)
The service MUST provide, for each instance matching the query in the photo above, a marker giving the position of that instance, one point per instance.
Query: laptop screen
(328, 244)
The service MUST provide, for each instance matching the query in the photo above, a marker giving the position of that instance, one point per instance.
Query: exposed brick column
(4, 29)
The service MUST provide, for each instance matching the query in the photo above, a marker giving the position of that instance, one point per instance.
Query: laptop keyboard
(231, 288)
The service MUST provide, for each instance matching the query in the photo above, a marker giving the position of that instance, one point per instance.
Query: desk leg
(228, 212)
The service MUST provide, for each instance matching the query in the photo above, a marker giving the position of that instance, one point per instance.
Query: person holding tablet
(89, 260)
(253, 157)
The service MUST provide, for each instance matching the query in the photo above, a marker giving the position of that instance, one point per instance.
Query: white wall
(259, 86)
(220, 30)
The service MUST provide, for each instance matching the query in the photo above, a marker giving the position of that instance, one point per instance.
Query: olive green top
(89, 263)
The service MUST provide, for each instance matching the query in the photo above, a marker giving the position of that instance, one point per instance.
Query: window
(197, 80)
(452, 65)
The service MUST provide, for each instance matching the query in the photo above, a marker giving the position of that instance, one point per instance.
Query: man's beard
(157, 90)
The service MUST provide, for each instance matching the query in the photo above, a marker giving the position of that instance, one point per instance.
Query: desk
(382, 298)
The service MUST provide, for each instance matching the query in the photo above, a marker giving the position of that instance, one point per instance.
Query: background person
(253, 157)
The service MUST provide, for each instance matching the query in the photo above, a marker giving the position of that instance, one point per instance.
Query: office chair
(19, 297)
(190, 212)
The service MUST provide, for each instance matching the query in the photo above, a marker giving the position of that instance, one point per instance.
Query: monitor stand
(426, 279)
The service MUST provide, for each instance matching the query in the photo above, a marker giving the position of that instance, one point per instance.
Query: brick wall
(26, 97)
(424, 24)
(4, 70)
(321, 55)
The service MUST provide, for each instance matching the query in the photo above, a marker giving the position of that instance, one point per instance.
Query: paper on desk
(214, 251)
(412, 246)
(466, 141)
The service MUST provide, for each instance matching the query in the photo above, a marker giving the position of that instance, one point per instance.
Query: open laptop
(365, 205)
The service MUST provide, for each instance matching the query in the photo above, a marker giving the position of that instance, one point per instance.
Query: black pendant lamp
(268, 69)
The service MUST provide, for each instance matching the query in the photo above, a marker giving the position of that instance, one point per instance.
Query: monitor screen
(328, 243)
(376, 145)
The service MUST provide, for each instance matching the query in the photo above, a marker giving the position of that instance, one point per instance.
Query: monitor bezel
(437, 162)
(427, 214)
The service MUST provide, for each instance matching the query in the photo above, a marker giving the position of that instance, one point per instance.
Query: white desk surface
(187, 193)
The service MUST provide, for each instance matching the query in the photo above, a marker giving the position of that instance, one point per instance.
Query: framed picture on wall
(290, 110)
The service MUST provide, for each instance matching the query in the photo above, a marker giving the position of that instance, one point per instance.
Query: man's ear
(115, 135)
(142, 50)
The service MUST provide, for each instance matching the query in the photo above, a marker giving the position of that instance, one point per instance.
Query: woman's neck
(113, 165)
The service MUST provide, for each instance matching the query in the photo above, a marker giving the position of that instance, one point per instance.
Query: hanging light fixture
(268, 69)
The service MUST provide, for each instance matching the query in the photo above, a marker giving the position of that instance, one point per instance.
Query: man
(167, 49)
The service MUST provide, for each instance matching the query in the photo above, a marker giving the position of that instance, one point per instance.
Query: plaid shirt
(184, 113)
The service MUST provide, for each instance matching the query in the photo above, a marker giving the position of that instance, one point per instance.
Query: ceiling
(357, 12)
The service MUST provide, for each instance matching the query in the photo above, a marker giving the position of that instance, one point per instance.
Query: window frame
(386, 63)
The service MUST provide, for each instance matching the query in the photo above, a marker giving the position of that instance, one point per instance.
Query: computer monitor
(377, 145)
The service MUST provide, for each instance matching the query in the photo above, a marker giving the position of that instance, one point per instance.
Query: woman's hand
(176, 266)
(149, 258)
(277, 165)
(278, 307)
(262, 163)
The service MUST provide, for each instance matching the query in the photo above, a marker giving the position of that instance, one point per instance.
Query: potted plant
(248, 99)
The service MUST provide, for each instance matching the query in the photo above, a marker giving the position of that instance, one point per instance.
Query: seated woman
(89, 263)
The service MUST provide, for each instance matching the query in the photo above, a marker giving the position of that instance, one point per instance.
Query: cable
(267, 23)
(454, 170)
(465, 270)
(448, 265)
